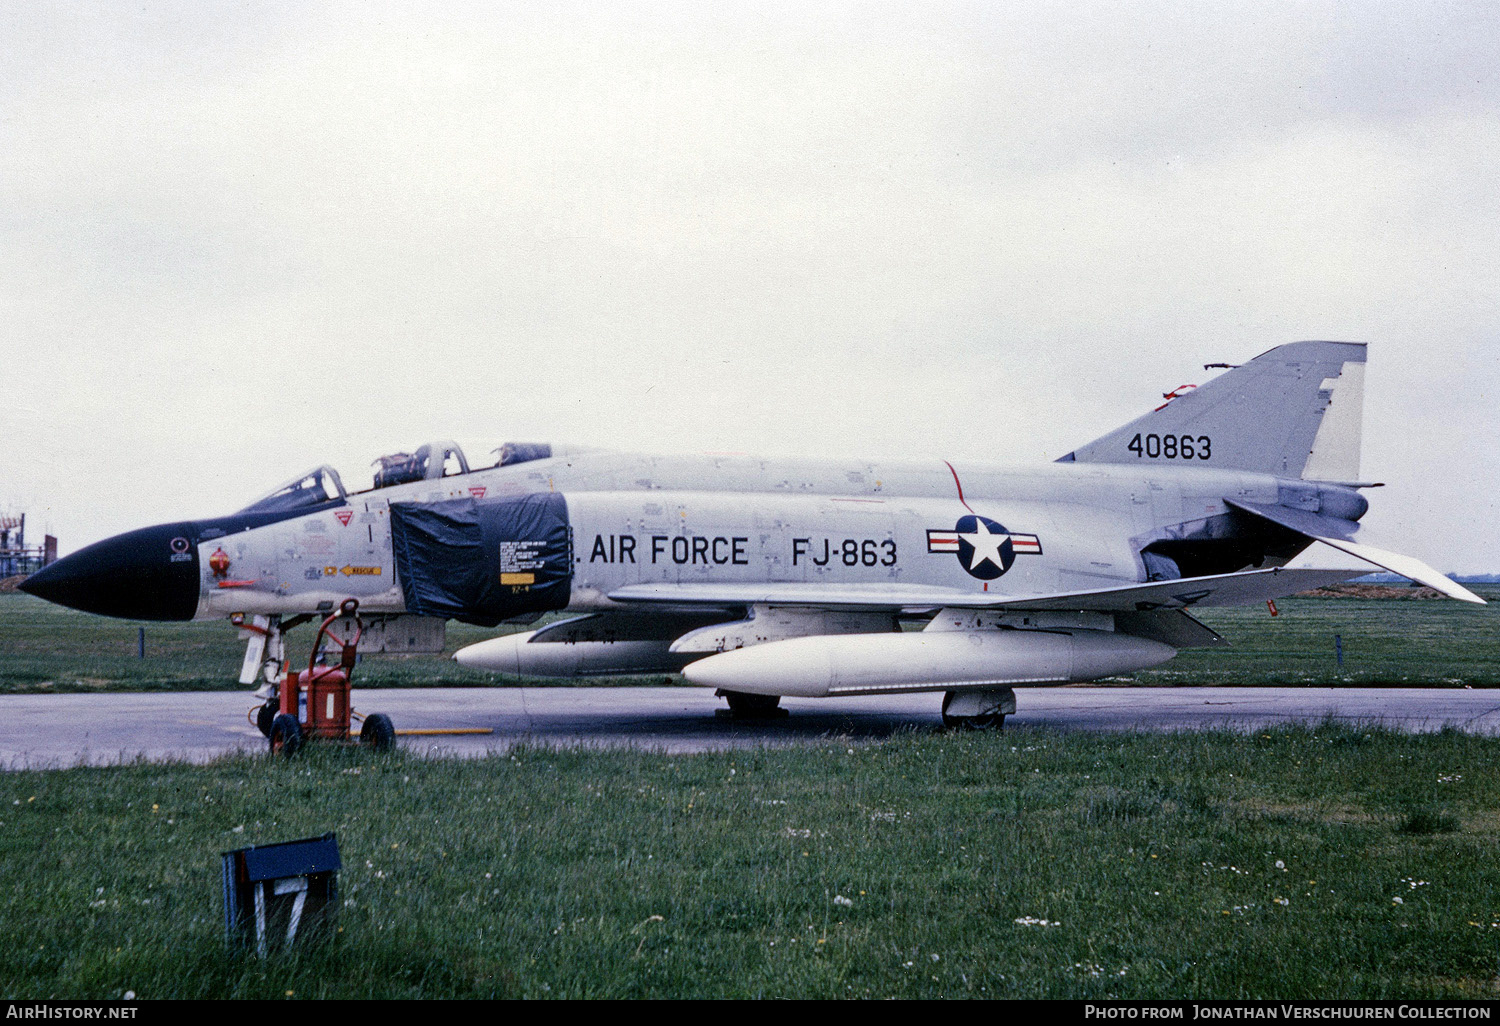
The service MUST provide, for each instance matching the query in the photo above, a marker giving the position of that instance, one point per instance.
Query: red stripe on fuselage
(959, 485)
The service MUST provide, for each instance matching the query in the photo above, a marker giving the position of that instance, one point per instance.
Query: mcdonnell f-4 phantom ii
(766, 578)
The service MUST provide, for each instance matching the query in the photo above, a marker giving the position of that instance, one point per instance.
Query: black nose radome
(150, 574)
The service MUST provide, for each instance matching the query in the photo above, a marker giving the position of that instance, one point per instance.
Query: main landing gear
(979, 709)
(745, 706)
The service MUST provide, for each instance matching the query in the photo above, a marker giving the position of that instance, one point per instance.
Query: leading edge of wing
(1237, 589)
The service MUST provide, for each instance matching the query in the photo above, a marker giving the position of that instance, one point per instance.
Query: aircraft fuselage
(718, 519)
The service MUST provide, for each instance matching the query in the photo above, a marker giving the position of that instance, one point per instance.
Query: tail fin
(1294, 411)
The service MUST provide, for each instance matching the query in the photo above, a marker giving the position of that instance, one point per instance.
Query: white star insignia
(986, 546)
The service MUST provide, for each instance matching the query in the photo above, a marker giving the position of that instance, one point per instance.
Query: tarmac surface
(44, 731)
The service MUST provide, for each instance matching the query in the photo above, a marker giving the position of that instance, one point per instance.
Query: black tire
(986, 721)
(265, 715)
(286, 735)
(949, 720)
(753, 707)
(378, 732)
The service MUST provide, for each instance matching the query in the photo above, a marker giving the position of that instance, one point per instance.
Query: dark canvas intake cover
(483, 560)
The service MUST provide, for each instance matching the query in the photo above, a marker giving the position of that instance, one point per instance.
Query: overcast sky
(243, 239)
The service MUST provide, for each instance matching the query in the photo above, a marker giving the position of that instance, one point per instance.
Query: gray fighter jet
(765, 578)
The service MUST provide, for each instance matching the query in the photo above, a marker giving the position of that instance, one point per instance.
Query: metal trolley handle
(349, 608)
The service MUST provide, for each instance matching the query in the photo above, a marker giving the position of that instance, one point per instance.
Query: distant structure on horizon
(16, 558)
(1397, 579)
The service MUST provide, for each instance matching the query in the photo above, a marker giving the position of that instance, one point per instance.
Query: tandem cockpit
(433, 461)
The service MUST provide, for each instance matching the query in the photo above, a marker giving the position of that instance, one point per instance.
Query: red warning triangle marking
(345, 516)
(477, 491)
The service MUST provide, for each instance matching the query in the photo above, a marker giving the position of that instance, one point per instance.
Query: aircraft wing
(1341, 534)
(1237, 589)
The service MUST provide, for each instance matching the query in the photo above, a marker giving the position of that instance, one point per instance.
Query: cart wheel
(286, 735)
(265, 715)
(378, 732)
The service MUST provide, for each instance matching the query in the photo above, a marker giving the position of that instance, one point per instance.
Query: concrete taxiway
(38, 731)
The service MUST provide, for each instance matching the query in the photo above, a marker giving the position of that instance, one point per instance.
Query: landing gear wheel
(745, 706)
(286, 735)
(265, 715)
(983, 721)
(378, 732)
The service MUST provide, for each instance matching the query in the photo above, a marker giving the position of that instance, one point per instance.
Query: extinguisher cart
(315, 705)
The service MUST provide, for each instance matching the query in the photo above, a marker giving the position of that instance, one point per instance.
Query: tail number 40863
(1172, 447)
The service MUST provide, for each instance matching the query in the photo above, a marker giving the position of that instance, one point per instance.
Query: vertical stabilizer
(1294, 411)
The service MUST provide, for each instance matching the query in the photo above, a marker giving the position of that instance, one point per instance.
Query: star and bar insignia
(985, 549)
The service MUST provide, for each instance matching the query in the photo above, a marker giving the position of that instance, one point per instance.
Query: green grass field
(1438, 643)
(46, 648)
(1386, 642)
(1316, 863)
(1330, 862)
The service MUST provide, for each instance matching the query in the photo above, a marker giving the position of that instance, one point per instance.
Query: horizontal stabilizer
(1341, 534)
(1245, 588)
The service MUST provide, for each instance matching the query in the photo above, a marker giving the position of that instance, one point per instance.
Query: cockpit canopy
(430, 462)
(512, 453)
(313, 488)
